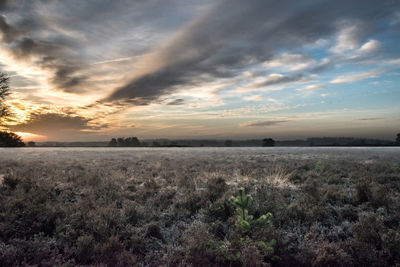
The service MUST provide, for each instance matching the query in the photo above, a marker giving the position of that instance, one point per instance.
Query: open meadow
(174, 206)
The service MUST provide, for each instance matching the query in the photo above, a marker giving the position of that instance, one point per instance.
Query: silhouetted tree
(121, 141)
(398, 139)
(8, 139)
(268, 142)
(4, 92)
(228, 143)
(113, 142)
(132, 141)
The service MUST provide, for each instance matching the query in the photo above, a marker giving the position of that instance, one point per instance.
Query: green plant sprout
(267, 247)
(245, 221)
(319, 166)
(395, 166)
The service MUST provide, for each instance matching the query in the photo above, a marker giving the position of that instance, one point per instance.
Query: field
(172, 207)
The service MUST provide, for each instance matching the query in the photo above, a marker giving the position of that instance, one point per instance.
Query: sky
(210, 69)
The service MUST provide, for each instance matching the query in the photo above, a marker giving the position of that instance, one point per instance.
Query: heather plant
(121, 208)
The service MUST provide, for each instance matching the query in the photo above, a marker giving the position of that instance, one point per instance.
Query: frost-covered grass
(154, 206)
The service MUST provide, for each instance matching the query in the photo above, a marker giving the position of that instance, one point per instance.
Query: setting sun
(31, 137)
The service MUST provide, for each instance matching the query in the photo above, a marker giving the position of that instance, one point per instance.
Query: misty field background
(170, 206)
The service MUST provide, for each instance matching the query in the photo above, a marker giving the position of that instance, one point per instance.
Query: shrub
(84, 248)
(131, 214)
(190, 204)
(10, 182)
(381, 196)
(364, 193)
(219, 210)
(215, 188)
(154, 230)
(330, 254)
(368, 229)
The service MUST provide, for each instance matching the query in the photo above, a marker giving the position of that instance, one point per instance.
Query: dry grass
(278, 176)
(151, 207)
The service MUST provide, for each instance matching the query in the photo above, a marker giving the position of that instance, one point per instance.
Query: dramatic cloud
(350, 34)
(254, 98)
(271, 80)
(291, 62)
(353, 77)
(176, 102)
(7, 32)
(313, 87)
(198, 64)
(262, 123)
(225, 38)
(370, 47)
(237, 34)
(49, 55)
(369, 119)
(277, 78)
(4, 4)
(55, 124)
(62, 37)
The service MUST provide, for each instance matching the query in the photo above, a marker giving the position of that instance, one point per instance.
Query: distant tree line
(398, 139)
(31, 144)
(348, 141)
(268, 142)
(124, 142)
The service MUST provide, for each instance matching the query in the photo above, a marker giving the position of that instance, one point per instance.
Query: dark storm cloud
(59, 33)
(52, 56)
(370, 119)
(4, 4)
(281, 79)
(25, 48)
(176, 102)
(8, 32)
(222, 42)
(54, 124)
(236, 34)
(262, 123)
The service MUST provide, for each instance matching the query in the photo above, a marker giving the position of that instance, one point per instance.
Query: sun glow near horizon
(227, 68)
(27, 137)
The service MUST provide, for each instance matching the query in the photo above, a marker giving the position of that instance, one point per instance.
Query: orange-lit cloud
(94, 69)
